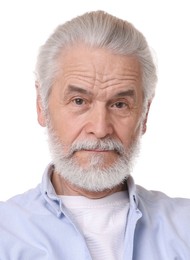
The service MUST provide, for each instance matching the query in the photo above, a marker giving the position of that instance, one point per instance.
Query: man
(95, 81)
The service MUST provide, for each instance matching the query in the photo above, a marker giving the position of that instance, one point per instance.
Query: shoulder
(22, 202)
(158, 209)
(159, 199)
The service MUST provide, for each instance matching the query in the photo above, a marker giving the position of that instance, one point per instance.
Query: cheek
(127, 131)
(66, 127)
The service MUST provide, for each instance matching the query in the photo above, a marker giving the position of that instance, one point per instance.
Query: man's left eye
(119, 104)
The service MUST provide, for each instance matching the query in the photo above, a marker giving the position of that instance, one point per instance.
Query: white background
(164, 163)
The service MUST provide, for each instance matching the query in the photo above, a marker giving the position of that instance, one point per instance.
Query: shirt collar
(51, 197)
(48, 191)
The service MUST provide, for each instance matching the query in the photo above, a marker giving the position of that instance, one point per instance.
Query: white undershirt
(102, 222)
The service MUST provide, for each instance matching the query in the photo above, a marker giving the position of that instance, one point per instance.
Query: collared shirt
(36, 225)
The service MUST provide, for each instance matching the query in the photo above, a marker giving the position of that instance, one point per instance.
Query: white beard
(95, 177)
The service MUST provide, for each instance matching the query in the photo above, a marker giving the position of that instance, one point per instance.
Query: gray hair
(95, 29)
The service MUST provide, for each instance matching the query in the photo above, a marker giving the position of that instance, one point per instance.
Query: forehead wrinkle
(83, 79)
(100, 79)
(80, 69)
(128, 80)
(115, 78)
(79, 73)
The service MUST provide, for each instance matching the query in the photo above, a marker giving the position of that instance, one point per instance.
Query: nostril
(99, 130)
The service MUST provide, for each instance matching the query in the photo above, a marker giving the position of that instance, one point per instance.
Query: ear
(144, 127)
(39, 107)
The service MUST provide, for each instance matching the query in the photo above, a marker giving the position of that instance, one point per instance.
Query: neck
(63, 187)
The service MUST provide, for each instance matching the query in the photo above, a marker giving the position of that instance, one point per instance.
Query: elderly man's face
(96, 95)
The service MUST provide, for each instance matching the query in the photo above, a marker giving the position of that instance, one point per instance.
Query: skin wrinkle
(103, 84)
(80, 76)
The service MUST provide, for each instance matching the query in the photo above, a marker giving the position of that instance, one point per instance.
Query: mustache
(102, 145)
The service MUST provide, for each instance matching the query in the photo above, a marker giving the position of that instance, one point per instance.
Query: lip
(98, 151)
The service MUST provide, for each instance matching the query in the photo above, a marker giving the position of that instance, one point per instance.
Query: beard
(96, 176)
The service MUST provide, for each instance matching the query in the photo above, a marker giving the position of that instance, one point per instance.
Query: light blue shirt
(36, 226)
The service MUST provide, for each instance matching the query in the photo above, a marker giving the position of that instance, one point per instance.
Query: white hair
(96, 29)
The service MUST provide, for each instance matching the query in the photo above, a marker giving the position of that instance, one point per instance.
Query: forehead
(98, 68)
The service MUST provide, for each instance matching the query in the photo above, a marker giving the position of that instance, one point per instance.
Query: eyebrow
(129, 92)
(72, 88)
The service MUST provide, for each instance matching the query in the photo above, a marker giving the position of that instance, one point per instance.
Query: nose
(99, 123)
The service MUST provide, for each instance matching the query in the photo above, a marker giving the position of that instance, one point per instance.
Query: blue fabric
(36, 226)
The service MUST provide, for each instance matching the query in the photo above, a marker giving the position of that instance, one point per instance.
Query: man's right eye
(78, 101)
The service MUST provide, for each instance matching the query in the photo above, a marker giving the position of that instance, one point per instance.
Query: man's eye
(120, 104)
(78, 101)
